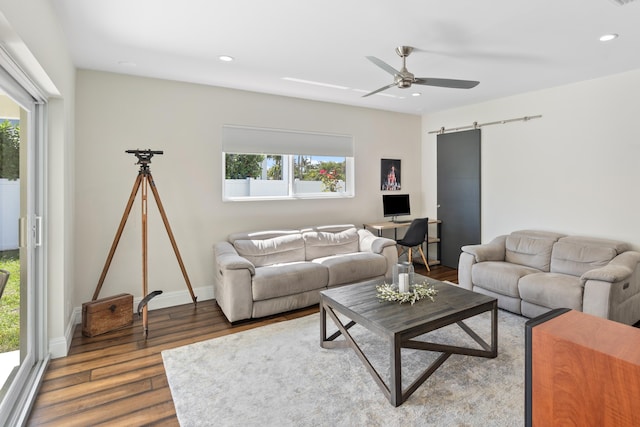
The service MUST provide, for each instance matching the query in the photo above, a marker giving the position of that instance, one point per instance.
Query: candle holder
(403, 276)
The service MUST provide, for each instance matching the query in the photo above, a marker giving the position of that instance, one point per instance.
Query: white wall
(117, 112)
(575, 170)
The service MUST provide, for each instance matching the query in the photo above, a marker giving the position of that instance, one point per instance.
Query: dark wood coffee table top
(360, 303)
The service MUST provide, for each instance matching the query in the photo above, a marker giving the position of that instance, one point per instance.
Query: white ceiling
(510, 46)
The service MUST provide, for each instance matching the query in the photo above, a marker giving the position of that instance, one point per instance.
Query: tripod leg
(145, 271)
(123, 221)
(173, 240)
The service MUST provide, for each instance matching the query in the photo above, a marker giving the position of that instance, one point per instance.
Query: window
(262, 163)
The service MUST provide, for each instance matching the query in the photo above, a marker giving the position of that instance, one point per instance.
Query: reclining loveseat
(531, 272)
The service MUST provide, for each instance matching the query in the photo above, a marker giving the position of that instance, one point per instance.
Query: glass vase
(403, 276)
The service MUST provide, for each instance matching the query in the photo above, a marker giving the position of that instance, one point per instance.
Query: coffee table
(399, 323)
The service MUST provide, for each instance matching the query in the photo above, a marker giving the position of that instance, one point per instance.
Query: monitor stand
(395, 220)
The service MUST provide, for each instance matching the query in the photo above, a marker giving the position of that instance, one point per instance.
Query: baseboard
(59, 347)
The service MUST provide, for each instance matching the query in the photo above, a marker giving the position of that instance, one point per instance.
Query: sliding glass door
(23, 350)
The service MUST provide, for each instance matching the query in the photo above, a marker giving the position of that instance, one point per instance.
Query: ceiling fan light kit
(404, 79)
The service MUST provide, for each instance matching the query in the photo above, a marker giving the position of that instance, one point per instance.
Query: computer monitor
(395, 205)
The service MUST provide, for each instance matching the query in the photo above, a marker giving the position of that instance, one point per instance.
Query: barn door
(458, 192)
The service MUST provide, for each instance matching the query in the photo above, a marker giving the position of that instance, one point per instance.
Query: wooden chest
(107, 314)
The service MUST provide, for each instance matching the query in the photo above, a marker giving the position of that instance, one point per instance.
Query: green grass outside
(10, 303)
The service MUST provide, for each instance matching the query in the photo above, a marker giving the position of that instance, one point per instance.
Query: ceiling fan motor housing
(404, 82)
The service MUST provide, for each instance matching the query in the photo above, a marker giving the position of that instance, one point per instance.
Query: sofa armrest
(371, 243)
(492, 251)
(609, 273)
(227, 258)
(232, 288)
(613, 291)
(465, 263)
(620, 268)
(472, 254)
(379, 245)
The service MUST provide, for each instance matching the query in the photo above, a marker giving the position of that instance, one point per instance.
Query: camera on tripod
(144, 156)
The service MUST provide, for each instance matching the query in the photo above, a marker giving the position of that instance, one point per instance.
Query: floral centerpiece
(416, 292)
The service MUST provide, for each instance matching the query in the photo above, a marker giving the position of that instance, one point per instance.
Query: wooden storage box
(107, 314)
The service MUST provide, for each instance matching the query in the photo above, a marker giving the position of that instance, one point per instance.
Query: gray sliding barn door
(458, 192)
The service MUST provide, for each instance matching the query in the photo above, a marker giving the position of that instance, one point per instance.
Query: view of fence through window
(255, 175)
(9, 253)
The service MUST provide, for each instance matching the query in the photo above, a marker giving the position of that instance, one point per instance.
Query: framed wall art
(390, 170)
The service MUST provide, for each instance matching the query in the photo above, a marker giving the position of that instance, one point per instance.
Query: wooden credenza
(581, 370)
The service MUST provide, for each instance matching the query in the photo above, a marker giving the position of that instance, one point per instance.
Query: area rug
(279, 375)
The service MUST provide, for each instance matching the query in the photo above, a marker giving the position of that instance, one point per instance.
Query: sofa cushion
(553, 290)
(326, 243)
(260, 235)
(530, 248)
(505, 302)
(275, 250)
(617, 245)
(334, 228)
(570, 257)
(288, 279)
(355, 267)
(500, 277)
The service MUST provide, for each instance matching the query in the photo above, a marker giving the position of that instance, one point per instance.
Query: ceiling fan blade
(379, 90)
(457, 84)
(380, 63)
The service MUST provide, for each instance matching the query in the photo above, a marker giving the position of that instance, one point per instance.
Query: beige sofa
(267, 272)
(531, 272)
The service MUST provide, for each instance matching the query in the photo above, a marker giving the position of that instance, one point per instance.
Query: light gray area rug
(279, 375)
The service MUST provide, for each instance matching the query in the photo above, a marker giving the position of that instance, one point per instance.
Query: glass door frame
(34, 353)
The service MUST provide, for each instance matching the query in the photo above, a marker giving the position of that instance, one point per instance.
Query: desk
(389, 225)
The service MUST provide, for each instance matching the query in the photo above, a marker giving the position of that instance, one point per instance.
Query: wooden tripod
(144, 181)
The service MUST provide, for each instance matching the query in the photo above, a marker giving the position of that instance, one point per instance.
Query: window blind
(251, 140)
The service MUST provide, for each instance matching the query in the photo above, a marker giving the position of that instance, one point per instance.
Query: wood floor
(118, 378)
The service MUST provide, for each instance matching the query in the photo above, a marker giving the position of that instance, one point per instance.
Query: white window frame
(289, 144)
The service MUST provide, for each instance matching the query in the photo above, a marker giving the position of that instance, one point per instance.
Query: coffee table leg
(323, 324)
(494, 330)
(395, 386)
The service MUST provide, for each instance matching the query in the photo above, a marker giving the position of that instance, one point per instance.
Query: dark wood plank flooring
(118, 378)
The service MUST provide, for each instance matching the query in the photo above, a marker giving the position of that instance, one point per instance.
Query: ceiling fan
(404, 79)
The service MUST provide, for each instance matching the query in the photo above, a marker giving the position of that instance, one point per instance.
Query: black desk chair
(415, 236)
(4, 278)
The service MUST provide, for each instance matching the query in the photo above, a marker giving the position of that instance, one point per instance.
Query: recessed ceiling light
(127, 63)
(608, 37)
(379, 93)
(225, 58)
(388, 95)
(311, 82)
(416, 94)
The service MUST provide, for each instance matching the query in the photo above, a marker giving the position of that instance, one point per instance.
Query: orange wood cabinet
(581, 370)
